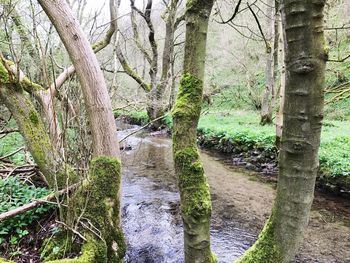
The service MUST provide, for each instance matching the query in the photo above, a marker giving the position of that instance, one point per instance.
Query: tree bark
(298, 161)
(98, 104)
(194, 189)
(281, 90)
(102, 196)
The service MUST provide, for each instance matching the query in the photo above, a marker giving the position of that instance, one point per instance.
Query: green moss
(214, 258)
(33, 116)
(28, 85)
(265, 249)
(4, 76)
(99, 201)
(4, 260)
(189, 99)
(196, 201)
(55, 247)
(93, 251)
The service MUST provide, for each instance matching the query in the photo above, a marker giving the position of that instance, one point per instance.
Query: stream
(150, 204)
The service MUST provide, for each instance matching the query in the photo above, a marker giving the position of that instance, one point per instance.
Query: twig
(71, 229)
(233, 16)
(10, 154)
(268, 47)
(339, 60)
(7, 131)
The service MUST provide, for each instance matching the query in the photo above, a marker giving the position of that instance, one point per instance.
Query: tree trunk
(103, 131)
(98, 104)
(268, 101)
(33, 130)
(279, 115)
(194, 189)
(303, 113)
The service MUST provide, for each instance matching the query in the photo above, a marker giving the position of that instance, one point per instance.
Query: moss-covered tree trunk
(32, 129)
(194, 189)
(303, 113)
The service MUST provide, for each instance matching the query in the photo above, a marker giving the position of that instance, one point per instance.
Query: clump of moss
(4, 260)
(188, 103)
(266, 249)
(98, 201)
(196, 201)
(4, 75)
(55, 247)
(93, 251)
(33, 117)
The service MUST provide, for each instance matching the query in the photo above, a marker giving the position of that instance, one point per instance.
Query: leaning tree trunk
(98, 103)
(194, 189)
(32, 128)
(303, 113)
(103, 205)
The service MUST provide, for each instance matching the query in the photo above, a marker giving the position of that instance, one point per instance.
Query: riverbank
(241, 206)
(250, 145)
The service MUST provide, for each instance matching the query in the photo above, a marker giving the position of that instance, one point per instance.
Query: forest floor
(327, 237)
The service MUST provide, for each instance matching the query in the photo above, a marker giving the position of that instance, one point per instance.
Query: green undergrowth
(134, 117)
(14, 193)
(140, 117)
(239, 129)
(10, 143)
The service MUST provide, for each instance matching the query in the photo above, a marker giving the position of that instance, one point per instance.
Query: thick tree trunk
(303, 113)
(103, 130)
(98, 104)
(194, 189)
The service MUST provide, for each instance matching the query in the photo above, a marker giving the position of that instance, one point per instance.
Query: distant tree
(271, 68)
(161, 76)
(194, 189)
(303, 113)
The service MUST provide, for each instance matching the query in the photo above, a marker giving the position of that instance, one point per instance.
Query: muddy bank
(327, 239)
(241, 205)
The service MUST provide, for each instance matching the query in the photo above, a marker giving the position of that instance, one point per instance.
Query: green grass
(241, 127)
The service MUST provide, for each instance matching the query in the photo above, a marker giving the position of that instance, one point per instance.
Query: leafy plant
(13, 194)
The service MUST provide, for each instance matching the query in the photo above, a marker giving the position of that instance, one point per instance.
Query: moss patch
(33, 116)
(4, 76)
(189, 99)
(4, 260)
(93, 251)
(265, 249)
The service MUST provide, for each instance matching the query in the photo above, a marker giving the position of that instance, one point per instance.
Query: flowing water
(151, 216)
